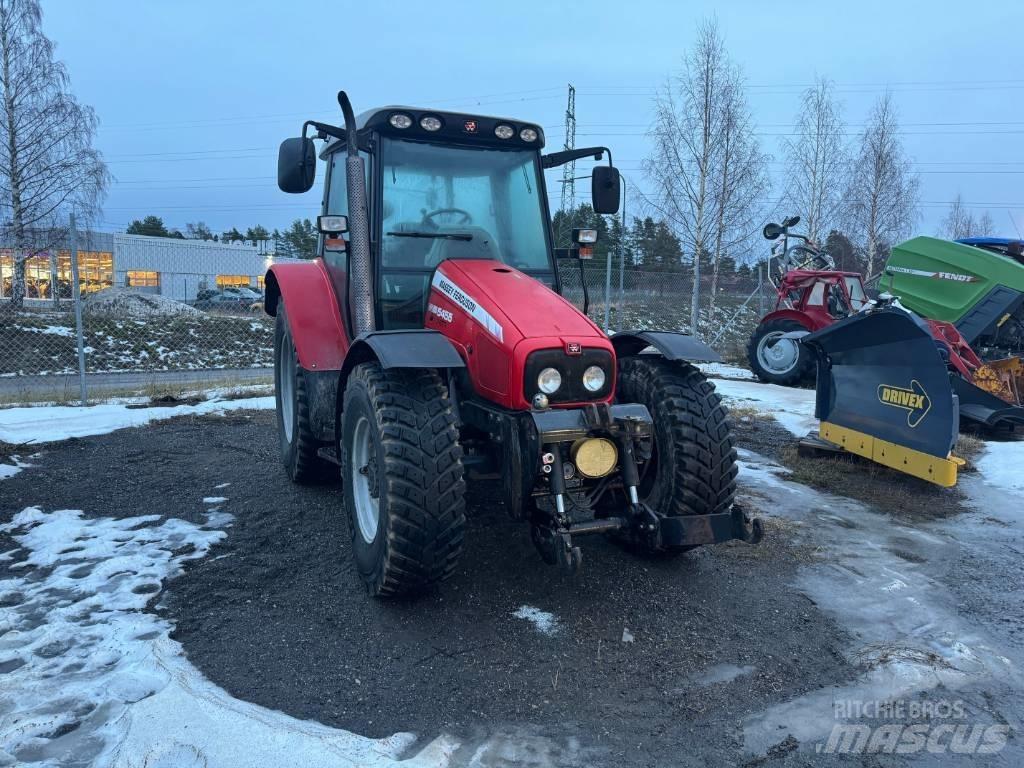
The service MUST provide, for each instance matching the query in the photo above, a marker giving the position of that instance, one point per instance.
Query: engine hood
(530, 306)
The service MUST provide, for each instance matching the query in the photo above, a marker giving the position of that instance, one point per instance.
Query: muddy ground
(653, 662)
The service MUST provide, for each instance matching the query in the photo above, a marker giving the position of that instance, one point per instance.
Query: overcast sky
(194, 97)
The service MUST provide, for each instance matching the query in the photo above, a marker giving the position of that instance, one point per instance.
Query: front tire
(403, 479)
(299, 447)
(693, 470)
(776, 360)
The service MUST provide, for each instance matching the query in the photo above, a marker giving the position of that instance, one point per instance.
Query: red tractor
(811, 295)
(429, 344)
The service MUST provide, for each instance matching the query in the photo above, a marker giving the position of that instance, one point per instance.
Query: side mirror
(296, 165)
(771, 231)
(604, 189)
(792, 221)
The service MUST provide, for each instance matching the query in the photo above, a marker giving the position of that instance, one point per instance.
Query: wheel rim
(286, 386)
(365, 489)
(776, 354)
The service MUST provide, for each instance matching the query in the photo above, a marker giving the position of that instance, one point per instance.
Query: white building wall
(185, 266)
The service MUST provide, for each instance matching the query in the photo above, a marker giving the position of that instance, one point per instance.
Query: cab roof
(456, 128)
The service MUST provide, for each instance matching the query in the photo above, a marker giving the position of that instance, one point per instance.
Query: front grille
(571, 367)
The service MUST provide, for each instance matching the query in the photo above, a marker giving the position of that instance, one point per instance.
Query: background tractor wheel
(402, 474)
(777, 360)
(693, 470)
(298, 446)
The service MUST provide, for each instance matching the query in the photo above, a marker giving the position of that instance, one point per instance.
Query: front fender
(314, 319)
(672, 346)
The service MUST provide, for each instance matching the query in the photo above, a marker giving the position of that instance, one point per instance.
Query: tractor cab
(824, 296)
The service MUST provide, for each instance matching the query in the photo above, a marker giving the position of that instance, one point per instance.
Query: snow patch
(726, 371)
(222, 485)
(544, 622)
(51, 423)
(1000, 465)
(792, 408)
(88, 673)
(214, 499)
(124, 302)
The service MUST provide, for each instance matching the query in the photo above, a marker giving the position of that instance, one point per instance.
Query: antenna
(569, 169)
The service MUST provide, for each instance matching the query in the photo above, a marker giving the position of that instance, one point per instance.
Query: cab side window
(337, 200)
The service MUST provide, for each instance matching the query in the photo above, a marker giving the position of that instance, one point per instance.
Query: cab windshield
(454, 203)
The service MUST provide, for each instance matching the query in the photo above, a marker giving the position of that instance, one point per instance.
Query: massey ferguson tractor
(429, 344)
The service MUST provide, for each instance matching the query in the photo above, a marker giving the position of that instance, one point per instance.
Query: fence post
(76, 295)
(607, 287)
(760, 288)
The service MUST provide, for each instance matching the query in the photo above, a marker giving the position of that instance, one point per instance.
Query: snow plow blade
(884, 393)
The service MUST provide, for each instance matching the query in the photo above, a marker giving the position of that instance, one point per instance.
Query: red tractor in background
(811, 295)
(429, 343)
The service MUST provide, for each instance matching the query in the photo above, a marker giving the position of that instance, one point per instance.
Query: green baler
(978, 290)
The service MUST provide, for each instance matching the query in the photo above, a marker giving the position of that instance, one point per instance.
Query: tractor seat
(482, 246)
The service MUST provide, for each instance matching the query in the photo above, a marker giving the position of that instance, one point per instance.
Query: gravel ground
(651, 662)
(276, 615)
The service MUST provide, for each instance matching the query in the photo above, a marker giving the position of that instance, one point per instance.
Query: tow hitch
(554, 540)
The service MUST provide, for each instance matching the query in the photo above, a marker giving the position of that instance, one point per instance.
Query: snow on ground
(51, 423)
(1001, 466)
(214, 499)
(792, 408)
(10, 470)
(544, 622)
(90, 676)
(726, 371)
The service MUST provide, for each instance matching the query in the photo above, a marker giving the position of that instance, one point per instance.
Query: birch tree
(742, 180)
(686, 138)
(883, 192)
(816, 162)
(48, 167)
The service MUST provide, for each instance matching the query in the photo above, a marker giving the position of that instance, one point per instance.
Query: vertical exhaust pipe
(360, 274)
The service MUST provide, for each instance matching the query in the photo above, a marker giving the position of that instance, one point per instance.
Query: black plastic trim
(673, 346)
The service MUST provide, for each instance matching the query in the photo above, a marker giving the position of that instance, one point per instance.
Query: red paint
(313, 315)
(530, 315)
(797, 288)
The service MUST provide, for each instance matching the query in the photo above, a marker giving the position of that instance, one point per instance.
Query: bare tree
(687, 136)
(816, 161)
(742, 181)
(882, 196)
(960, 222)
(48, 167)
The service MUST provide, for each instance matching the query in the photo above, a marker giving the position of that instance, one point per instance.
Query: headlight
(504, 131)
(593, 378)
(549, 380)
(400, 120)
(430, 123)
(528, 134)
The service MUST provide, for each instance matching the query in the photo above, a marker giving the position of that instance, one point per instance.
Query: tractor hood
(533, 309)
(496, 317)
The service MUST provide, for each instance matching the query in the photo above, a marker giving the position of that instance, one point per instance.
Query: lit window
(95, 272)
(137, 279)
(261, 282)
(233, 281)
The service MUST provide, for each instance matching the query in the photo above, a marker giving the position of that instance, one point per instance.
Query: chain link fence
(149, 332)
(662, 301)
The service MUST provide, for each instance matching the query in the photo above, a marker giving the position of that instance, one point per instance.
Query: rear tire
(693, 471)
(299, 447)
(406, 507)
(775, 360)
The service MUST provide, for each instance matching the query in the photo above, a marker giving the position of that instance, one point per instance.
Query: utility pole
(569, 169)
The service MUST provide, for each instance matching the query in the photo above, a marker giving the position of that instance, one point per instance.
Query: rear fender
(313, 316)
(672, 346)
(808, 321)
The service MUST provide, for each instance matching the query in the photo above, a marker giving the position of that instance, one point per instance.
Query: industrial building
(178, 269)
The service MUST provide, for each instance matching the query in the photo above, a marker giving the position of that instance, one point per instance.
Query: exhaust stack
(360, 273)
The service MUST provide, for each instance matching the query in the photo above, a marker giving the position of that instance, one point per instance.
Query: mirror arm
(323, 130)
(556, 159)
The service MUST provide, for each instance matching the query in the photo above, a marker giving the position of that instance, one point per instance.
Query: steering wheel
(428, 218)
